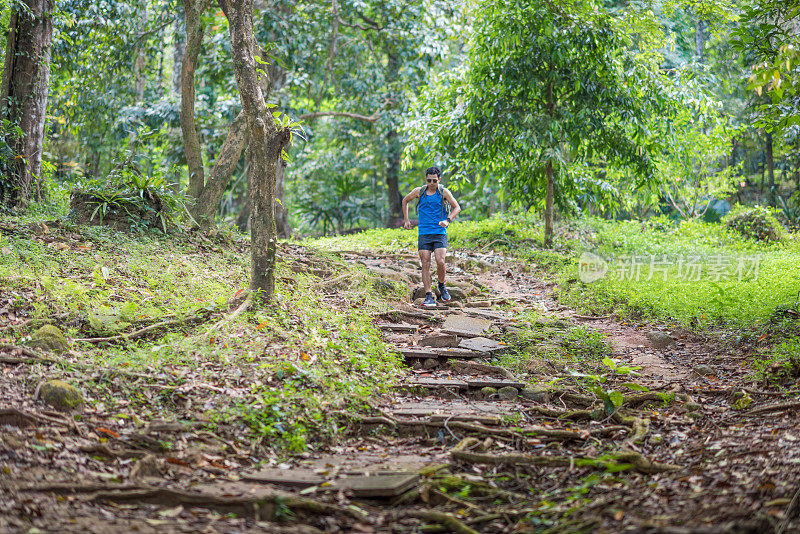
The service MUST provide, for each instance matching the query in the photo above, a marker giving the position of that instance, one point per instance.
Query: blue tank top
(430, 213)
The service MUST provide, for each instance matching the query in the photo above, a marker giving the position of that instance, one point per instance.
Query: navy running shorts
(432, 242)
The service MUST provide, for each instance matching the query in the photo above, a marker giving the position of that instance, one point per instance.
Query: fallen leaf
(107, 432)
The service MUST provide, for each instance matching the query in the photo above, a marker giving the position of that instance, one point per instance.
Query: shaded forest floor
(505, 412)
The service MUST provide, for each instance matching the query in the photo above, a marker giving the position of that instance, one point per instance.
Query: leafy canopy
(556, 82)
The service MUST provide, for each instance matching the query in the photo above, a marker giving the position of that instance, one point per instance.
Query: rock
(659, 340)
(382, 286)
(655, 439)
(481, 304)
(49, 338)
(508, 393)
(60, 395)
(535, 393)
(430, 363)
(703, 370)
(439, 341)
(147, 467)
(692, 406)
(488, 392)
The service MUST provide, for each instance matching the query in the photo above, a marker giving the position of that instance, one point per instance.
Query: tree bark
(23, 98)
(179, 37)
(207, 203)
(770, 171)
(140, 79)
(548, 199)
(265, 142)
(393, 155)
(193, 10)
(699, 38)
(206, 194)
(548, 206)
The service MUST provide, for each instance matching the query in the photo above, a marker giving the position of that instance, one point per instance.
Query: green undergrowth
(503, 232)
(281, 370)
(698, 275)
(542, 346)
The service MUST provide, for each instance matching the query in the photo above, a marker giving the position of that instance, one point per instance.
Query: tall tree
(205, 193)
(547, 85)
(23, 97)
(266, 141)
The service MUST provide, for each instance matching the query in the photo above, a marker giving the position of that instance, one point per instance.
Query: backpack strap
(440, 188)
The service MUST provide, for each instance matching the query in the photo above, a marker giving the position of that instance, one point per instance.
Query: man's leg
(440, 254)
(425, 260)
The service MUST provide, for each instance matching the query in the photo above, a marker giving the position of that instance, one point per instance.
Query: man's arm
(454, 205)
(408, 198)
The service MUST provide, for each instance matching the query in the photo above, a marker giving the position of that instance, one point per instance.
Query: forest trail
(487, 433)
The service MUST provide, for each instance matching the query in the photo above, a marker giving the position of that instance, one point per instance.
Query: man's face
(432, 180)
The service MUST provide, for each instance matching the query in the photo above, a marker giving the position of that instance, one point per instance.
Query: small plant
(790, 211)
(756, 223)
(612, 399)
(128, 196)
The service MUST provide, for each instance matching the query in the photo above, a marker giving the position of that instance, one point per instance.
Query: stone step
(440, 353)
(399, 327)
(497, 383)
(465, 326)
(482, 344)
(430, 382)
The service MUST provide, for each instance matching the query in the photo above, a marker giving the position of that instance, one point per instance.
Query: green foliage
(781, 365)
(545, 84)
(694, 169)
(755, 223)
(127, 193)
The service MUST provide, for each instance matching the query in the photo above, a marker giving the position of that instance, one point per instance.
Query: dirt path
(489, 432)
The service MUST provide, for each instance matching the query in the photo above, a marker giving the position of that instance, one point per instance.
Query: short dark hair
(434, 170)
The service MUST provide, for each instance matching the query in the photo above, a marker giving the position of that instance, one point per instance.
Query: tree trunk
(770, 171)
(191, 140)
(393, 155)
(548, 199)
(140, 78)
(548, 207)
(207, 203)
(699, 39)
(179, 37)
(23, 98)
(205, 194)
(265, 142)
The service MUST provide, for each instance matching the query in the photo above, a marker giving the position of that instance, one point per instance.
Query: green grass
(505, 232)
(288, 366)
(770, 276)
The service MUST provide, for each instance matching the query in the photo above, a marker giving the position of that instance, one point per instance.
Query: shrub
(756, 223)
(126, 200)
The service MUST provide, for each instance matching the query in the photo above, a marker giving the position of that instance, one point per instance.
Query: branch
(311, 116)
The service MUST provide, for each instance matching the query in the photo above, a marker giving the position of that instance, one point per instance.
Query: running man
(432, 229)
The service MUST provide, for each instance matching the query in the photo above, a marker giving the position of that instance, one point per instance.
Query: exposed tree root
(15, 417)
(774, 408)
(105, 450)
(493, 370)
(441, 518)
(575, 415)
(637, 461)
(261, 507)
(136, 334)
(370, 420)
(640, 429)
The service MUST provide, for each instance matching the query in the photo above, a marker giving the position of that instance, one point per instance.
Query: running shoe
(444, 292)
